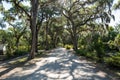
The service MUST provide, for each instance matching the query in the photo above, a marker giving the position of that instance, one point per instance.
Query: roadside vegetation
(72, 24)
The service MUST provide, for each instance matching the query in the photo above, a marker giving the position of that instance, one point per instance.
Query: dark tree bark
(75, 43)
(36, 42)
(74, 37)
(34, 11)
(38, 26)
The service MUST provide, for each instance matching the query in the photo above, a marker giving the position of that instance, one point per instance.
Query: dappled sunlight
(60, 64)
(101, 74)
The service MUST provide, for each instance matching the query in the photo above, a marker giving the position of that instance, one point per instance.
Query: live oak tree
(56, 29)
(18, 29)
(48, 11)
(79, 13)
(31, 15)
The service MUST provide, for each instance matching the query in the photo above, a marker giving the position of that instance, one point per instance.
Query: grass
(21, 60)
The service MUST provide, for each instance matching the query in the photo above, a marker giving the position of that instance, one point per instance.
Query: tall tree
(33, 21)
(30, 13)
(18, 29)
(79, 13)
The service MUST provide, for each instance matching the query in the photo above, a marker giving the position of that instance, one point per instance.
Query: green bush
(23, 48)
(16, 54)
(98, 46)
(113, 61)
(81, 52)
(20, 52)
(91, 55)
(60, 44)
(68, 46)
(85, 53)
(9, 55)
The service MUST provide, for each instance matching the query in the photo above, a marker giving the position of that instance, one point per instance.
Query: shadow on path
(60, 65)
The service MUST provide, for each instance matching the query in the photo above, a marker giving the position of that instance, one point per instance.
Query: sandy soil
(59, 64)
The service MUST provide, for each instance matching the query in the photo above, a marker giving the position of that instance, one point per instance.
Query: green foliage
(9, 55)
(77, 19)
(98, 46)
(111, 44)
(68, 46)
(24, 48)
(115, 44)
(117, 41)
(19, 53)
(60, 44)
(81, 52)
(92, 55)
(14, 52)
(113, 61)
(116, 5)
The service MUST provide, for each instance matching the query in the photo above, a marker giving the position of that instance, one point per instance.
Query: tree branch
(17, 5)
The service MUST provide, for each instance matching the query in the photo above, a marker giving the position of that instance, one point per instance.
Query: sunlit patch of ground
(58, 64)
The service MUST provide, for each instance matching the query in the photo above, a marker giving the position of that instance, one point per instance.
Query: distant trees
(79, 13)
(46, 23)
(18, 30)
(28, 13)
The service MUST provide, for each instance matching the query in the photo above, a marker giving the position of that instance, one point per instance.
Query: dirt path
(59, 65)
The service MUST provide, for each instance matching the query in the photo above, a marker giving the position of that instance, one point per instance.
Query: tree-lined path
(60, 64)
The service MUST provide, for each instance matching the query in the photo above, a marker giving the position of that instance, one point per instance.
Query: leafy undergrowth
(68, 46)
(109, 64)
(18, 61)
(22, 60)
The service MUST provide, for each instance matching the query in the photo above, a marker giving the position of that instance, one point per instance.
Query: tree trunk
(34, 8)
(33, 45)
(75, 43)
(74, 38)
(46, 43)
(36, 42)
(37, 32)
(46, 37)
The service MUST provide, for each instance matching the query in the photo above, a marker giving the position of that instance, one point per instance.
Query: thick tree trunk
(37, 32)
(36, 42)
(75, 43)
(34, 8)
(74, 37)
(33, 45)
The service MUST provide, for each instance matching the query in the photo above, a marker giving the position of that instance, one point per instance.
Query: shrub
(81, 52)
(16, 53)
(23, 48)
(91, 55)
(68, 46)
(20, 52)
(113, 61)
(99, 48)
(8, 55)
(87, 54)
(60, 44)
